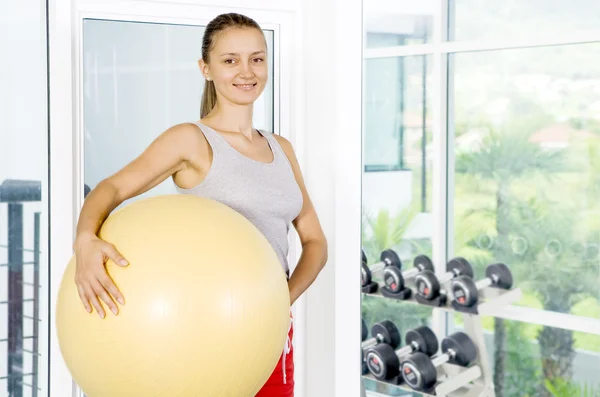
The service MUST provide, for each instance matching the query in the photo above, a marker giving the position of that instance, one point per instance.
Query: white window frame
(66, 121)
(443, 160)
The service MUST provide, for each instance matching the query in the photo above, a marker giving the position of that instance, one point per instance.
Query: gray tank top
(267, 194)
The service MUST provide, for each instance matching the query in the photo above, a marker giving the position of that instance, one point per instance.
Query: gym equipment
(465, 290)
(420, 372)
(384, 362)
(365, 331)
(451, 378)
(394, 278)
(383, 332)
(387, 258)
(363, 257)
(185, 329)
(428, 285)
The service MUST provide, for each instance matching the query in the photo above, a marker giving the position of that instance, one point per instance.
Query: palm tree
(503, 158)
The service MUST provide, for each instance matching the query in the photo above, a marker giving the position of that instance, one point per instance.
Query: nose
(246, 71)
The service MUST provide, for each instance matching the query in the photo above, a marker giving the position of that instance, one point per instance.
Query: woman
(221, 157)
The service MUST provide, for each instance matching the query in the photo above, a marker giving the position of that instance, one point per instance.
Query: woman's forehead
(240, 41)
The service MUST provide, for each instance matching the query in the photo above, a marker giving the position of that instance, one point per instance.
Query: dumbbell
(382, 332)
(428, 285)
(394, 278)
(384, 362)
(420, 371)
(365, 333)
(466, 290)
(387, 258)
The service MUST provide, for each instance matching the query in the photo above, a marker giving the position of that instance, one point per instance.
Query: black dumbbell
(428, 285)
(394, 277)
(365, 333)
(465, 290)
(387, 258)
(420, 371)
(382, 332)
(384, 362)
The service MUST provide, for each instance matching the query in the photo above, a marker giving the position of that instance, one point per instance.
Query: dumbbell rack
(475, 380)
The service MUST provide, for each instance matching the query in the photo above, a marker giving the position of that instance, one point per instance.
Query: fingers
(116, 256)
(111, 288)
(84, 298)
(95, 291)
(91, 295)
(102, 294)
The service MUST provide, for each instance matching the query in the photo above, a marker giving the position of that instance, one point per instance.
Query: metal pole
(15, 300)
(36, 304)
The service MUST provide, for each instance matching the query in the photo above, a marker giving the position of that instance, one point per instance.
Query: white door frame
(66, 121)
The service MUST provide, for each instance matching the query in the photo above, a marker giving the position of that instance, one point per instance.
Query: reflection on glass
(397, 145)
(527, 144)
(396, 180)
(405, 316)
(23, 200)
(482, 20)
(540, 361)
(138, 80)
(390, 23)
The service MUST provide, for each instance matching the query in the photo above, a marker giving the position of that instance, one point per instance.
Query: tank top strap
(274, 144)
(216, 142)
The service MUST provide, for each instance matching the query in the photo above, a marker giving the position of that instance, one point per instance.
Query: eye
(230, 61)
(259, 59)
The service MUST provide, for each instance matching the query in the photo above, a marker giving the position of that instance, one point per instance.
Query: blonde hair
(214, 27)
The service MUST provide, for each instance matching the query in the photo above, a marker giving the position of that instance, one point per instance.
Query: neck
(232, 118)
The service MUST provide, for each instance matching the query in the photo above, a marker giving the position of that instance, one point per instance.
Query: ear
(204, 68)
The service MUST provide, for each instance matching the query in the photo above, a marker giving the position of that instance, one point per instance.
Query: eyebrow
(236, 54)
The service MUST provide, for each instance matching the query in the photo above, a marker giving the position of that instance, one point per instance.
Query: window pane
(397, 180)
(398, 22)
(23, 200)
(527, 148)
(526, 19)
(140, 79)
(405, 316)
(532, 360)
(397, 136)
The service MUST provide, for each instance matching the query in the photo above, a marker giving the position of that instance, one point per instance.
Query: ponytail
(209, 98)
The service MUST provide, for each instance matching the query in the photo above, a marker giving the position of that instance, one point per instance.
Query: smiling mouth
(245, 86)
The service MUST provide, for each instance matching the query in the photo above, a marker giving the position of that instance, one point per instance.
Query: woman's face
(238, 65)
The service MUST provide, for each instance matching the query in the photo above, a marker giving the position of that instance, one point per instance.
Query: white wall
(326, 120)
(23, 150)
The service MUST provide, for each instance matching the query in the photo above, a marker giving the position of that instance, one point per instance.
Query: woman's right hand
(91, 277)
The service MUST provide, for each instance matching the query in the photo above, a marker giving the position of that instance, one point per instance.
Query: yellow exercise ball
(206, 305)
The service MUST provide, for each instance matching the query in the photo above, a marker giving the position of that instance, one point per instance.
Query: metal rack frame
(475, 380)
(15, 193)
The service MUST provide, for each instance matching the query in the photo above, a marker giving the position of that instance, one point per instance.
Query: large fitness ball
(206, 305)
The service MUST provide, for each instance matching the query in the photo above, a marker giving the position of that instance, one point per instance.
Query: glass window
(138, 80)
(526, 19)
(396, 180)
(533, 360)
(526, 145)
(23, 199)
(390, 23)
(397, 177)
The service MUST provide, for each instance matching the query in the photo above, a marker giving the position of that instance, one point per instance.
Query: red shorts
(281, 381)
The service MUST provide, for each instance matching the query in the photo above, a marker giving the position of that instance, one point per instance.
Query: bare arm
(166, 155)
(314, 244)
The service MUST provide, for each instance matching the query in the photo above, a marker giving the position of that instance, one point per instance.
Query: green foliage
(563, 388)
(384, 231)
